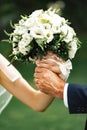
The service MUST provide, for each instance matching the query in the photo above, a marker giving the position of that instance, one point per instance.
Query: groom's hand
(50, 62)
(49, 82)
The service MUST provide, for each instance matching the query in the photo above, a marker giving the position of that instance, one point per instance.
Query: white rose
(36, 13)
(57, 21)
(68, 32)
(73, 48)
(31, 22)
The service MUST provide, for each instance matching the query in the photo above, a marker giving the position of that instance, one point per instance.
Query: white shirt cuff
(65, 95)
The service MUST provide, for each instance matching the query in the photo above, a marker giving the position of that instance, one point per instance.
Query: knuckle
(45, 75)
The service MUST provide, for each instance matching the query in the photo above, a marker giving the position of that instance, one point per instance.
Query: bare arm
(21, 89)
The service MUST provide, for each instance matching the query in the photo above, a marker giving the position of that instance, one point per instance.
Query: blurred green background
(18, 116)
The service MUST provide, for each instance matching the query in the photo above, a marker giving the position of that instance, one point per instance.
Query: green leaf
(12, 24)
(8, 34)
(6, 40)
(40, 43)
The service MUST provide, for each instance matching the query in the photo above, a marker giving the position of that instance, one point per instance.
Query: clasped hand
(47, 76)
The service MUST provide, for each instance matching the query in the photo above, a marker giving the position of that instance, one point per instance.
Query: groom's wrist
(60, 89)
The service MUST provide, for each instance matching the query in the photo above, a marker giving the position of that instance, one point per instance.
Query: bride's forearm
(12, 80)
(43, 101)
(33, 98)
(21, 89)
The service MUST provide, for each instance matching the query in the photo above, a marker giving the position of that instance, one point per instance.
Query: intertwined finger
(48, 64)
(53, 56)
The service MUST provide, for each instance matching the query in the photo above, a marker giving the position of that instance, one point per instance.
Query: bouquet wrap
(65, 68)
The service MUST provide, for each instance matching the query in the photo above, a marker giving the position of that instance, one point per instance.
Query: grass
(18, 116)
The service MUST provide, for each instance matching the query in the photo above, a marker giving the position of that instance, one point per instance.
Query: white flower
(64, 30)
(68, 33)
(57, 21)
(46, 26)
(47, 32)
(15, 39)
(48, 35)
(21, 22)
(56, 29)
(27, 38)
(29, 23)
(15, 49)
(24, 48)
(19, 30)
(33, 20)
(36, 13)
(73, 48)
(37, 32)
(45, 18)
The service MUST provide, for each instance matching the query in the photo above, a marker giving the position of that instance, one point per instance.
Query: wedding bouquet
(44, 31)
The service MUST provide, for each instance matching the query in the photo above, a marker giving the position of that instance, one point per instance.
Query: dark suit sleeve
(77, 98)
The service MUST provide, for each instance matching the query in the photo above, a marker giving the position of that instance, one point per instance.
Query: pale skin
(23, 91)
(46, 76)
